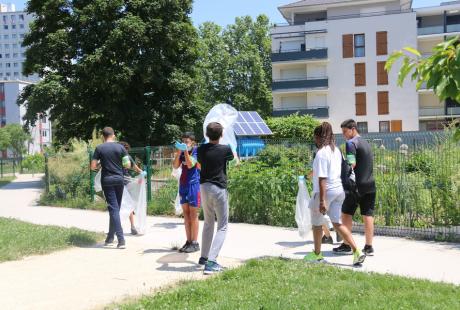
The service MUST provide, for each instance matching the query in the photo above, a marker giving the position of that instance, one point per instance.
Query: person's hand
(144, 173)
(322, 207)
(181, 146)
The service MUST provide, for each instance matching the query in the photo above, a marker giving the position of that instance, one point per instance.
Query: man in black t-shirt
(213, 158)
(360, 157)
(113, 157)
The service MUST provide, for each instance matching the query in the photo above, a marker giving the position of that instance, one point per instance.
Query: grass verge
(6, 180)
(283, 284)
(19, 239)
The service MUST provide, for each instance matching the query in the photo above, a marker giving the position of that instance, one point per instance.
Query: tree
(18, 139)
(128, 64)
(235, 64)
(293, 127)
(5, 139)
(440, 71)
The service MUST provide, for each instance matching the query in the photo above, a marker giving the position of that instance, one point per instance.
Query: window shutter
(382, 75)
(396, 126)
(360, 74)
(360, 99)
(383, 104)
(347, 45)
(382, 43)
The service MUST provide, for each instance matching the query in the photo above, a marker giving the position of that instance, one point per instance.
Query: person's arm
(176, 162)
(93, 165)
(125, 160)
(94, 160)
(322, 195)
(190, 161)
(351, 153)
(323, 173)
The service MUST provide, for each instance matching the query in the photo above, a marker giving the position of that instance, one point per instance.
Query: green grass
(5, 180)
(281, 284)
(19, 239)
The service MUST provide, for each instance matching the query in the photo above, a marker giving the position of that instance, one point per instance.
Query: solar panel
(251, 124)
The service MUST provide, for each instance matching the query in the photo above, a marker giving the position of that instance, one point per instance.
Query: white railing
(302, 78)
(430, 30)
(303, 107)
(432, 111)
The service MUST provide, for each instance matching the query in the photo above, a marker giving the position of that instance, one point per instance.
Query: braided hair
(325, 135)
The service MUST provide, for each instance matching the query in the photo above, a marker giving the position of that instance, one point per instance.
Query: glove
(181, 146)
(144, 173)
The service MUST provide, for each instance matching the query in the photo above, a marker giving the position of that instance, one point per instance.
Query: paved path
(86, 278)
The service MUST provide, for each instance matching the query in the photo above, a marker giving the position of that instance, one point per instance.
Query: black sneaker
(339, 237)
(368, 250)
(121, 244)
(108, 241)
(182, 249)
(134, 231)
(193, 247)
(327, 240)
(343, 249)
(202, 261)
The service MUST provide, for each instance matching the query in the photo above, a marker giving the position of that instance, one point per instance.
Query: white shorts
(334, 201)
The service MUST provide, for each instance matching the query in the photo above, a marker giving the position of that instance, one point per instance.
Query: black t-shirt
(359, 152)
(110, 155)
(213, 159)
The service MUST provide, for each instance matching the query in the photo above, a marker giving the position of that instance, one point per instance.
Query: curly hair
(325, 135)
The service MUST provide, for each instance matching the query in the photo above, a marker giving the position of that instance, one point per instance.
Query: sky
(223, 12)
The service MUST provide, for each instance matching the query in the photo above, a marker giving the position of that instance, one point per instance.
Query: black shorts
(366, 203)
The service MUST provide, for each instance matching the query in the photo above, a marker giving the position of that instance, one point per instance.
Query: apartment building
(328, 61)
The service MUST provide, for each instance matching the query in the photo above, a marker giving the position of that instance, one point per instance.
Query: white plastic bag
(135, 199)
(302, 214)
(176, 173)
(226, 115)
(97, 182)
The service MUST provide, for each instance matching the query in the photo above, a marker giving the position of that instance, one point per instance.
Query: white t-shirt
(327, 164)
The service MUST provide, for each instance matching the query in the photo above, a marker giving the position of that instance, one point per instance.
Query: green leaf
(392, 59)
(412, 51)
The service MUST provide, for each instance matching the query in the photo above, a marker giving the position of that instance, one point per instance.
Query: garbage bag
(135, 199)
(176, 173)
(226, 115)
(302, 214)
(97, 182)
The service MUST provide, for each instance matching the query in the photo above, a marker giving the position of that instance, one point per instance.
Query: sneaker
(202, 261)
(212, 267)
(108, 241)
(184, 246)
(192, 247)
(314, 258)
(358, 258)
(343, 249)
(327, 240)
(339, 237)
(134, 231)
(368, 250)
(121, 244)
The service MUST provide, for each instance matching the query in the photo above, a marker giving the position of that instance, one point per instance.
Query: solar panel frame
(249, 123)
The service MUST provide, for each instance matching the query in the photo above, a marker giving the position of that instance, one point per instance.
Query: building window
(362, 127)
(7, 46)
(21, 36)
(5, 19)
(16, 74)
(347, 45)
(15, 46)
(1, 74)
(382, 74)
(8, 74)
(14, 36)
(5, 27)
(360, 102)
(21, 17)
(44, 133)
(382, 43)
(0, 55)
(383, 103)
(359, 45)
(13, 18)
(6, 37)
(15, 65)
(360, 74)
(7, 55)
(15, 55)
(8, 65)
(21, 26)
(13, 26)
(384, 126)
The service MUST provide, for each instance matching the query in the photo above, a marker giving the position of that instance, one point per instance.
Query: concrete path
(86, 278)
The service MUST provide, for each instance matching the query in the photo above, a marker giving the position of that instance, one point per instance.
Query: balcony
(299, 54)
(439, 29)
(301, 83)
(319, 112)
(439, 112)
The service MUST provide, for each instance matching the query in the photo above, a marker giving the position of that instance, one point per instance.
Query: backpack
(347, 182)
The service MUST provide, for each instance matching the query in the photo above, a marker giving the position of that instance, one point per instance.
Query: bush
(34, 163)
(163, 199)
(293, 127)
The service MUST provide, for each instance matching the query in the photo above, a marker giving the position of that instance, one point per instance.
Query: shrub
(293, 127)
(34, 163)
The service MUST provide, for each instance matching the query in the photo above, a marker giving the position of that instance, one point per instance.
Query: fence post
(147, 151)
(1, 168)
(14, 167)
(47, 175)
(91, 176)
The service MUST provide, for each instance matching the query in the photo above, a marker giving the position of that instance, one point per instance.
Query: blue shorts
(190, 194)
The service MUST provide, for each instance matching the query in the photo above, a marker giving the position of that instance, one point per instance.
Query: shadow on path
(23, 185)
(293, 244)
(177, 258)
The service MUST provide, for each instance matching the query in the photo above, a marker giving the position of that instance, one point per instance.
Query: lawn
(5, 180)
(285, 284)
(19, 239)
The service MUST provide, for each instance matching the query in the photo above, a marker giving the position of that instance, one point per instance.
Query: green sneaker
(314, 258)
(358, 258)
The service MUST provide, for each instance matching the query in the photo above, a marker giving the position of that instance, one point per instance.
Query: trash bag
(226, 115)
(176, 173)
(302, 214)
(97, 182)
(135, 199)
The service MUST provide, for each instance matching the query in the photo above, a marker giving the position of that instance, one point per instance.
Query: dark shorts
(190, 194)
(366, 203)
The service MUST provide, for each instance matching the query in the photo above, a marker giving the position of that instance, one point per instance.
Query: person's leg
(367, 206)
(209, 218)
(194, 223)
(221, 209)
(111, 234)
(326, 231)
(111, 195)
(118, 189)
(186, 212)
(131, 219)
(350, 204)
(317, 235)
(317, 222)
